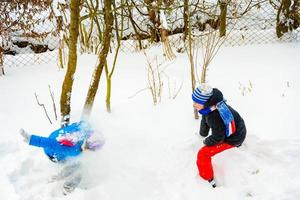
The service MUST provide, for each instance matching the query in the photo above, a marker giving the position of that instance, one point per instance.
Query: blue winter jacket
(56, 151)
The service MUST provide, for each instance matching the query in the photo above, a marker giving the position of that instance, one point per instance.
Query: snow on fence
(258, 26)
(235, 38)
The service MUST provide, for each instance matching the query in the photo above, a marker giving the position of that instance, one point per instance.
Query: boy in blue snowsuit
(64, 144)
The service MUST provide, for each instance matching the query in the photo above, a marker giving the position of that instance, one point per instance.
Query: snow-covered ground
(150, 151)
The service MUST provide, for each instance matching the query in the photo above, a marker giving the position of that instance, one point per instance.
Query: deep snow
(150, 151)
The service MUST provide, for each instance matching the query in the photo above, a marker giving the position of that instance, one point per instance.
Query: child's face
(198, 106)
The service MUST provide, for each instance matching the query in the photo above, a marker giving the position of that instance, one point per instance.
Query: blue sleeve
(49, 143)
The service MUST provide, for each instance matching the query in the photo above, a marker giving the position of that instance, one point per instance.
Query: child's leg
(204, 159)
(73, 177)
(67, 171)
(72, 183)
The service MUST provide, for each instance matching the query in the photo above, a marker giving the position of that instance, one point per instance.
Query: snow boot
(212, 183)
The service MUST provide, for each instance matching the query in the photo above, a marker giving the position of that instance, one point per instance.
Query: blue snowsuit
(60, 146)
(56, 151)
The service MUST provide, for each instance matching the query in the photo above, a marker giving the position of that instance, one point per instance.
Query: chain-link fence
(256, 26)
(33, 47)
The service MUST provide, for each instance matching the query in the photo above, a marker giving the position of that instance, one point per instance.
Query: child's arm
(52, 144)
(44, 142)
(213, 139)
(217, 133)
(204, 128)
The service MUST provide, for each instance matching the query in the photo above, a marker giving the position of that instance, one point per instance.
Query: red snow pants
(204, 159)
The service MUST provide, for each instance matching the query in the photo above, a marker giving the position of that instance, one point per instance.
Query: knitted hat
(202, 93)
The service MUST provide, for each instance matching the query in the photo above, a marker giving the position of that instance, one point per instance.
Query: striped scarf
(225, 114)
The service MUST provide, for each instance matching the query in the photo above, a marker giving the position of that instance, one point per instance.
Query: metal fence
(258, 26)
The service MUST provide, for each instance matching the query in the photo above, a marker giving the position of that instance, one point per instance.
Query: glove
(25, 135)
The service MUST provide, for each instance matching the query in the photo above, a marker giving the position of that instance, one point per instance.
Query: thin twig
(43, 105)
(175, 93)
(141, 90)
(53, 102)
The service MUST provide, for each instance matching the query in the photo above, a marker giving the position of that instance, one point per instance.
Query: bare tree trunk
(1, 62)
(166, 44)
(61, 56)
(108, 87)
(134, 26)
(65, 99)
(119, 37)
(153, 7)
(185, 19)
(108, 94)
(108, 19)
(164, 37)
(280, 28)
(203, 74)
(288, 17)
(191, 57)
(223, 14)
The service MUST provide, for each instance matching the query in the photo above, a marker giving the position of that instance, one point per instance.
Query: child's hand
(25, 135)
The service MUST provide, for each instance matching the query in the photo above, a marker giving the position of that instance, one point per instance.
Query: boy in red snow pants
(228, 129)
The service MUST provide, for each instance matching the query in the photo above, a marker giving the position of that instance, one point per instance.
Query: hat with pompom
(202, 93)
